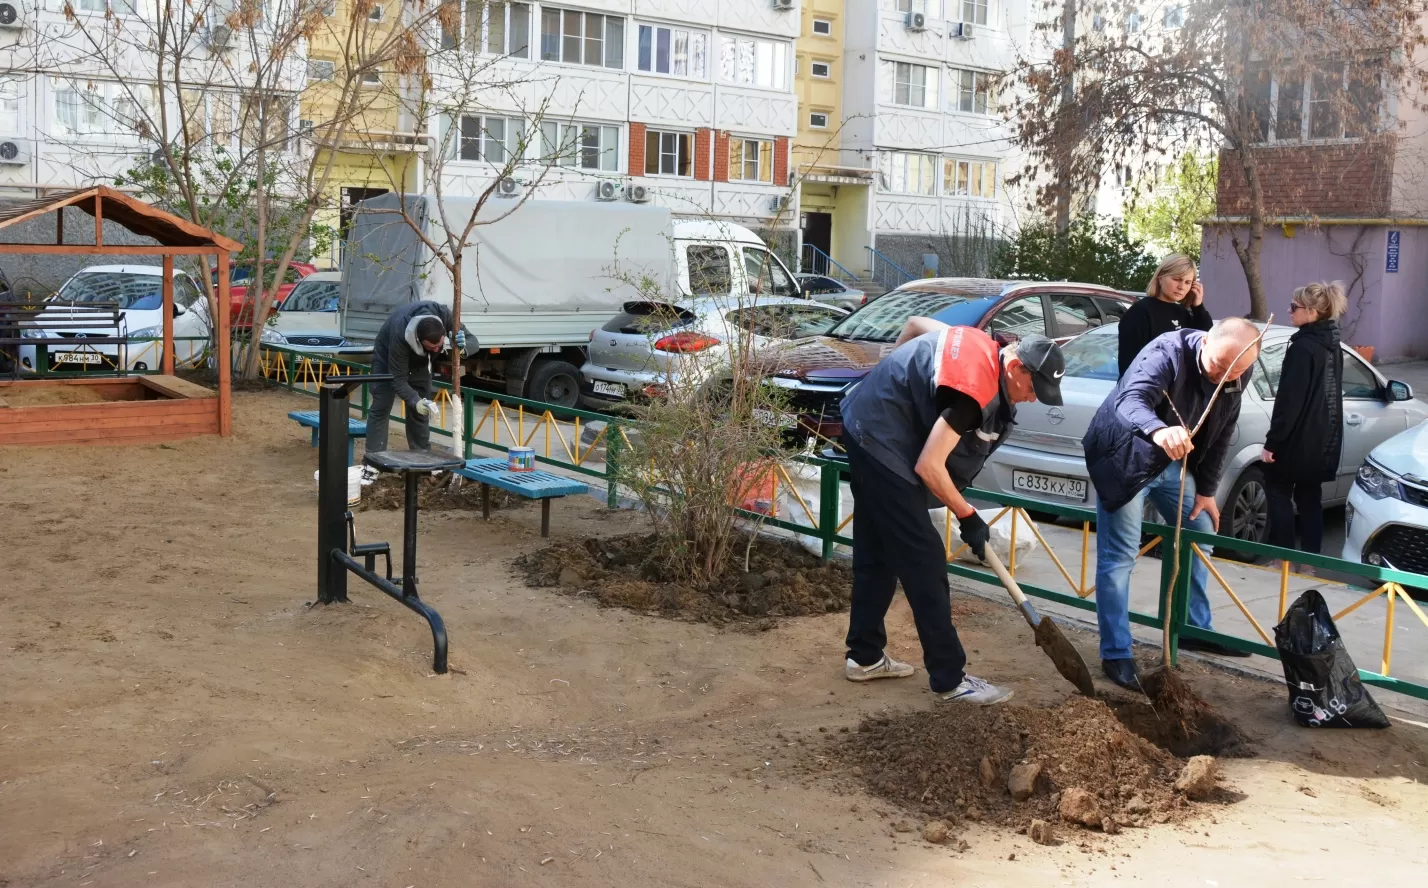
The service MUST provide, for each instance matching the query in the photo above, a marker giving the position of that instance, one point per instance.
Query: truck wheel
(554, 382)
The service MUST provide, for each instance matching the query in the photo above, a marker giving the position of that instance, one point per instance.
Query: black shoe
(1123, 673)
(1202, 646)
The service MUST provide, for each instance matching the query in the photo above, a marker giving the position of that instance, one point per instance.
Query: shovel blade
(1064, 655)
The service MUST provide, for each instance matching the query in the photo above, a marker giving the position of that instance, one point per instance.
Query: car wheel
(554, 382)
(1246, 513)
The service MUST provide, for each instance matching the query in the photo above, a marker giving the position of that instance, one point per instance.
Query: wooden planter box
(123, 410)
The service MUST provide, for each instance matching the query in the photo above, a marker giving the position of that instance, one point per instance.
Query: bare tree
(1148, 77)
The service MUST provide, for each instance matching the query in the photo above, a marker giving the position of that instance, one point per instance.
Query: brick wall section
(1312, 180)
(780, 161)
(637, 149)
(721, 156)
(703, 142)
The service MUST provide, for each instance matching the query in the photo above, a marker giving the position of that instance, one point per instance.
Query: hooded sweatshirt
(398, 351)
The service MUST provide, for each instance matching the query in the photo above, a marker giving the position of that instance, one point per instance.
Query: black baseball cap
(1047, 365)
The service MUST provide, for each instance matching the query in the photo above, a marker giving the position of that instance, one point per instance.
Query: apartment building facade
(681, 103)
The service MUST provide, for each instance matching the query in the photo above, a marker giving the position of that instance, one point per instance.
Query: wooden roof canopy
(175, 235)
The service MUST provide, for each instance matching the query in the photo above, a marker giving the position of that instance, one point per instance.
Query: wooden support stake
(169, 315)
(225, 361)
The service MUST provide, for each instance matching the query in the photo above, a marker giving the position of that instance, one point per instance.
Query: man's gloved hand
(975, 534)
(426, 407)
(461, 340)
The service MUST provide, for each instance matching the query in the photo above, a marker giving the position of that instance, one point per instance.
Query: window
(750, 62)
(822, 27)
(497, 27)
(92, 108)
(1174, 18)
(1359, 381)
(126, 7)
(1326, 85)
(1333, 102)
(582, 38)
(586, 146)
(186, 293)
(970, 178)
(371, 78)
(974, 12)
(932, 8)
(709, 270)
(1074, 314)
(209, 118)
(750, 160)
(783, 321)
(765, 276)
(10, 104)
(669, 154)
(375, 14)
(1112, 310)
(902, 172)
(818, 120)
(822, 69)
(915, 85)
(976, 91)
(492, 139)
(1021, 318)
(1133, 22)
(321, 69)
(674, 51)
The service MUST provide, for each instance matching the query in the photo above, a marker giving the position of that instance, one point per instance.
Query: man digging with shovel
(940, 387)
(1132, 448)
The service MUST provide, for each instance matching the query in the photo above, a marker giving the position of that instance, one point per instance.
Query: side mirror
(1399, 391)
(179, 310)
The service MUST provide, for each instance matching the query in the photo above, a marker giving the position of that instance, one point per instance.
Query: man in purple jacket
(1132, 451)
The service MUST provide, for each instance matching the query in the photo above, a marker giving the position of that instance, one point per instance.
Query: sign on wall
(1395, 238)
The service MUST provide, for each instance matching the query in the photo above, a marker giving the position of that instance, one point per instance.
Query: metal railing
(497, 421)
(818, 262)
(885, 271)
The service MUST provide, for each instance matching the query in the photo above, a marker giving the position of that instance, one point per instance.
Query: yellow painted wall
(816, 93)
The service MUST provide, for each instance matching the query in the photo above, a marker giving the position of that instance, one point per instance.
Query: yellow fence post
(1394, 590)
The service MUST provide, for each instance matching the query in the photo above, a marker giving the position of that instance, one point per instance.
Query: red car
(238, 279)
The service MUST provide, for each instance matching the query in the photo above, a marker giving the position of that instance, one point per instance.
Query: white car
(308, 319)
(137, 292)
(831, 291)
(1386, 520)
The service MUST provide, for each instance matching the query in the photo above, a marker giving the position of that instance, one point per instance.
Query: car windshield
(1096, 355)
(883, 320)
(313, 296)
(135, 292)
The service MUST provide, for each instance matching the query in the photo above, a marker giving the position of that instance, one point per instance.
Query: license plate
(613, 389)
(79, 358)
(1052, 485)
(774, 419)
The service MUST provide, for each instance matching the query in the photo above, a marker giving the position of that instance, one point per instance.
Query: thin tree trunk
(458, 406)
(1068, 98)
(1249, 251)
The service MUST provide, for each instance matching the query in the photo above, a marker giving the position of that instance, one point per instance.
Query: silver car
(646, 348)
(831, 291)
(1043, 458)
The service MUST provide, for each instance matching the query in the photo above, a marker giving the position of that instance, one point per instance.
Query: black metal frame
(336, 533)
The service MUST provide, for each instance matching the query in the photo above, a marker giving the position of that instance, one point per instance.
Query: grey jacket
(397, 353)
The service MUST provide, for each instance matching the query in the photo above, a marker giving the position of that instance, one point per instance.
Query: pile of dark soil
(784, 580)
(1075, 764)
(433, 495)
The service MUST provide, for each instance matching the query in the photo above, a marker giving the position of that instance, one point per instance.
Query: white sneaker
(887, 667)
(975, 690)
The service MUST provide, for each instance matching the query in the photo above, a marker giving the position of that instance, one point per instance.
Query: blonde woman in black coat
(1306, 434)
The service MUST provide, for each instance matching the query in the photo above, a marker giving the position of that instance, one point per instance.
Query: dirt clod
(1022, 782)
(1197, 778)
(570, 577)
(988, 773)
(1080, 806)
(435, 494)
(936, 832)
(1041, 833)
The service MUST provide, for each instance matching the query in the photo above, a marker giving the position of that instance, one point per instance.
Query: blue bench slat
(534, 485)
(355, 427)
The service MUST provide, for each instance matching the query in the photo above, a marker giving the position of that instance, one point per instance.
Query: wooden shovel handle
(1019, 597)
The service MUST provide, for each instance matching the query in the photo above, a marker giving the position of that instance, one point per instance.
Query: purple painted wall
(1387, 311)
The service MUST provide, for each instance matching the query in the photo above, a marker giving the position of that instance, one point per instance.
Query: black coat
(1306, 434)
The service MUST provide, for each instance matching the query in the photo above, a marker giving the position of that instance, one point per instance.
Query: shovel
(1058, 647)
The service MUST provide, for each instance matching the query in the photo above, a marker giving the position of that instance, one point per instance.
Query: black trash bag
(1324, 686)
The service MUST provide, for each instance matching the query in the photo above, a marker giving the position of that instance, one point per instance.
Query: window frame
(110, 94)
(981, 12)
(888, 172)
(552, 153)
(1094, 318)
(952, 177)
(728, 269)
(813, 69)
(512, 131)
(930, 86)
(827, 32)
(692, 36)
(1039, 298)
(777, 62)
(1354, 126)
(683, 144)
(983, 86)
(812, 124)
(611, 47)
(477, 30)
(763, 162)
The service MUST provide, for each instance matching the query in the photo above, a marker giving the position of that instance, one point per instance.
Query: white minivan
(137, 292)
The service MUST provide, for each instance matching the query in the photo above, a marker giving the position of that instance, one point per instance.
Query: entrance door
(817, 232)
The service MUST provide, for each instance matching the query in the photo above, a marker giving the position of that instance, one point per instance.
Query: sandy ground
(172, 714)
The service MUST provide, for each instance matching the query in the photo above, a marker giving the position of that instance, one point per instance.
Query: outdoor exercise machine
(337, 547)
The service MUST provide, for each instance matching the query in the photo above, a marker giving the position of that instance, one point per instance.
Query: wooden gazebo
(123, 409)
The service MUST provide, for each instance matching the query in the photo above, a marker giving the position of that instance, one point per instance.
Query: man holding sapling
(941, 387)
(1133, 448)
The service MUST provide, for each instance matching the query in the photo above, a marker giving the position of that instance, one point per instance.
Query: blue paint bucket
(521, 459)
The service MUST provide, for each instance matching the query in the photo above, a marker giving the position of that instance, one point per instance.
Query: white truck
(540, 276)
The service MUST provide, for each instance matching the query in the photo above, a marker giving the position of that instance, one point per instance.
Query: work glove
(426, 407)
(461, 340)
(975, 534)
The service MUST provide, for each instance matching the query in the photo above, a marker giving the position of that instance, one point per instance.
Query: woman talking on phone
(1174, 301)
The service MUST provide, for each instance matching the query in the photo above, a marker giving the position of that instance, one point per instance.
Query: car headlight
(1377, 483)
(272, 337)
(147, 333)
(32, 333)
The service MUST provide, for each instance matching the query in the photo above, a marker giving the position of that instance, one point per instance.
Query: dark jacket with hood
(1306, 434)
(1122, 459)
(398, 352)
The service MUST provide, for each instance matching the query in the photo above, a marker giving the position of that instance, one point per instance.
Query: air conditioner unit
(15, 152)
(962, 30)
(637, 194)
(783, 4)
(916, 21)
(779, 204)
(220, 37)
(508, 187)
(10, 16)
(606, 189)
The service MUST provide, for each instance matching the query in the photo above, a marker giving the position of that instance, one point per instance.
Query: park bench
(356, 428)
(84, 327)
(544, 486)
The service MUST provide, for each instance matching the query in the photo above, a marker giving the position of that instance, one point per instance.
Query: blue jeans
(1118, 541)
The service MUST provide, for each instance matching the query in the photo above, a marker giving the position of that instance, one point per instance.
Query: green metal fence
(487, 414)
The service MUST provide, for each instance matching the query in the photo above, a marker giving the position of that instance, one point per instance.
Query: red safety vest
(967, 360)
